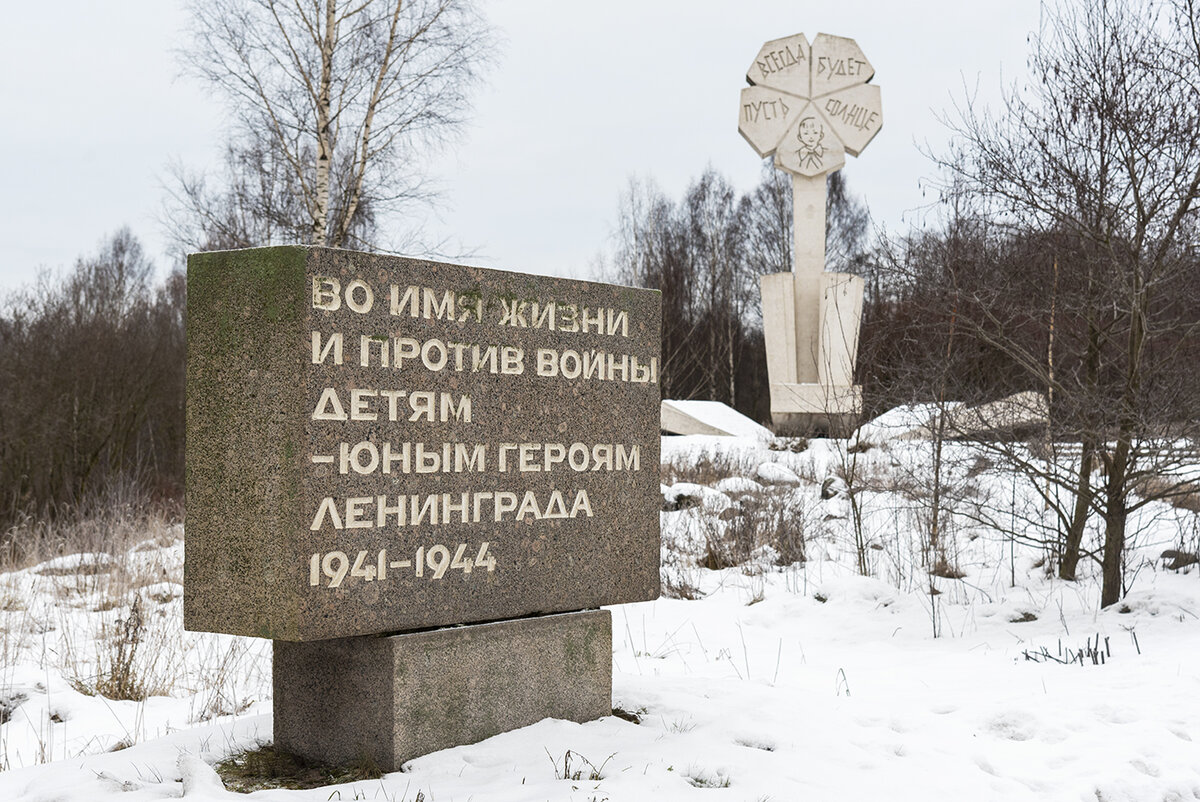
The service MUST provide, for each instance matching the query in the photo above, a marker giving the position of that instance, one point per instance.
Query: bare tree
(694, 252)
(331, 100)
(768, 212)
(847, 226)
(714, 241)
(650, 252)
(1100, 157)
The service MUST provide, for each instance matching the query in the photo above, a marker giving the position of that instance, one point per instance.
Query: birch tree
(335, 106)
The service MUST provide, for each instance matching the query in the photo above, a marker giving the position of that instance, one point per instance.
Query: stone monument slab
(779, 325)
(841, 310)
(686, 416)
(855, 115)
(378, 444)
(807, 147)
(766, 116)
(783, 64)
(433, 690)
(837, 62)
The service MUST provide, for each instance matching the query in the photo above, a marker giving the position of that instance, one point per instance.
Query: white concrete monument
(810, 105)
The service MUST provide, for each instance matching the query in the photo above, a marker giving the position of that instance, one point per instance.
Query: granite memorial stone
(378, 445)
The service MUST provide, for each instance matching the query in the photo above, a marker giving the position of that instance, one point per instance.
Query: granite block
(378, 444)
(386, 700)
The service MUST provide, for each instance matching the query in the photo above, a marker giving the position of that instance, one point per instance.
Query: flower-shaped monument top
(810, 104)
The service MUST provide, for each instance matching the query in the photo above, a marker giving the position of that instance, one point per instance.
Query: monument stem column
(808, 242)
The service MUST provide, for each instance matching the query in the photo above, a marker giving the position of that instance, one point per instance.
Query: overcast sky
(582, 97)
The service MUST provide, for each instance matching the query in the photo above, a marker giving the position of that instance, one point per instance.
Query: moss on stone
(245, 309)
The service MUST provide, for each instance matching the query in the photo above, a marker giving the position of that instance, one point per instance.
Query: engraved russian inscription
(765, 116)
(783, 64)
(430, 444)
(810, 138)
(855, 115)
(837, 63)
(408, 360)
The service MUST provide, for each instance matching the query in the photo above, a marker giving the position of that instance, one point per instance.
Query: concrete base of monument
(389, 699)
(802, 424)
(808, 409)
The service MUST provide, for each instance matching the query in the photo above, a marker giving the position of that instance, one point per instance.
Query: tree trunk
(1114, 537)
(1117, 487)
(324, 146)
(939, 436)
(1069, 562)
(729, 337)
(1067, 569)
(364, 146)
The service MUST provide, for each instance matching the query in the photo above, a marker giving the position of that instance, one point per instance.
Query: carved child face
(811, 132)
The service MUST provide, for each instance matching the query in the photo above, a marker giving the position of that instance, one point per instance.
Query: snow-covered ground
(775, 679)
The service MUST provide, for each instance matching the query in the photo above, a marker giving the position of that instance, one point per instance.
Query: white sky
(584, 96)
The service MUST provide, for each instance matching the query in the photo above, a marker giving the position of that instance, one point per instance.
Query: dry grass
(100, 530)
(575, 767)
(129, 660)
(1183, 495)
(223, 679)
(267, 767)
(943, 569)
(755, 520)
(109, 624)
(11, 602)
(700, 778)
(675, 585)
(706, 469)
(119, 677)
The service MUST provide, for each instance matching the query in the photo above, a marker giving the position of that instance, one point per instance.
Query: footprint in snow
(1012, 727)
(1145, 768)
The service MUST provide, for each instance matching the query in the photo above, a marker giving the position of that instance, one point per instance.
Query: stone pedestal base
(804, 424)
(812, 409)
(389, 699)
(811, 350)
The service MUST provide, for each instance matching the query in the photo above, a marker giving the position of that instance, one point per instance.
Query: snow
(903, 422)
(723, 417)
(86, 563)
(710, 499)
(803, 680)
(737, 486)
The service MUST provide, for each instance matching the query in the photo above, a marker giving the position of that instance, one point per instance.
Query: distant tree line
(92, 387)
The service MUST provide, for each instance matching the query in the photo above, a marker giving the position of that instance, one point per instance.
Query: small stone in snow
(772, 473)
